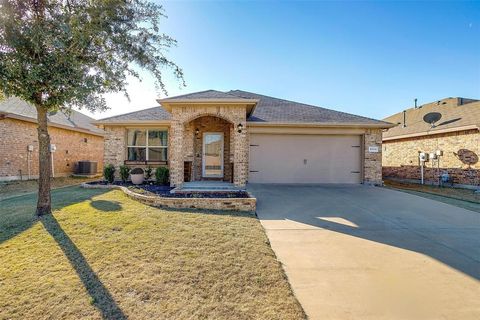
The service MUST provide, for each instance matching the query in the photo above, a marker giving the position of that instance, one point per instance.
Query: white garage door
(278, 158)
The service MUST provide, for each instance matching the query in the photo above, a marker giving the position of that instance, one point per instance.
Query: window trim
(146, 146)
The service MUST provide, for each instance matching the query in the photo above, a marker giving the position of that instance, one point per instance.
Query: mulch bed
(164, 191)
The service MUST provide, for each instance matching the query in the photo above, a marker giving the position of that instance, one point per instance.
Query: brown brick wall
(183, 146)
(210, 124)
(372, 167)
(460, 157)
(16, 135)
(181, 132)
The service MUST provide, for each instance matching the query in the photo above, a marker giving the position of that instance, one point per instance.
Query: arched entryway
(189, 124)
(209, 149)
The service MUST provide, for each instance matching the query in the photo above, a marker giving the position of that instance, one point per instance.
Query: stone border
(230, 204)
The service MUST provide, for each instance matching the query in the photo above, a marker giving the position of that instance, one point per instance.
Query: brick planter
(231, 204)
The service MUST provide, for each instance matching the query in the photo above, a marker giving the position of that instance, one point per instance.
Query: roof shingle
(268, 109)
(73, 119)
(456, 113)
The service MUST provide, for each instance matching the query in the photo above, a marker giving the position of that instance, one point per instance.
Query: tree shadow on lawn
(18, 214)
(107, 206)
(101, 297)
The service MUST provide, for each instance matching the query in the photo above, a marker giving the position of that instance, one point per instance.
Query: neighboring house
(242, 137)
(74, 136)
(456, 134)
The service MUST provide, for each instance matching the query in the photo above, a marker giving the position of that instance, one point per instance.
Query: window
(147, 145)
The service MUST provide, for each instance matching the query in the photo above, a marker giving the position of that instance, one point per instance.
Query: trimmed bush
(148, 173)
(109, 173)
(124, 173)
(162, 175)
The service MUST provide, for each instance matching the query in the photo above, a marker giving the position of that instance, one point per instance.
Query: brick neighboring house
(456, 134)
(241, 137)
(74, 136)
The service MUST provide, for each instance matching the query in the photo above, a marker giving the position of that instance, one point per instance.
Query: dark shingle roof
(73, 119)
(268, 109)
(456, 113)
(207, 94)
(271, 109)
(155, 113)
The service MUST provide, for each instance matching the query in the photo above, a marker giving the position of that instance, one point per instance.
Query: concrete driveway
(358, 252)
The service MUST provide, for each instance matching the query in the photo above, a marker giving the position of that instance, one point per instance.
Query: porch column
(240, 156)
(176, 154)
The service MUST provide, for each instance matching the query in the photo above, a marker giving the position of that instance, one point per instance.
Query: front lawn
(15, 188)
(102, 255)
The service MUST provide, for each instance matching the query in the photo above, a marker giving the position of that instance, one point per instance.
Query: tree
(57, 54)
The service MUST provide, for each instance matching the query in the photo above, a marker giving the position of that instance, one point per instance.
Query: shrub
(162, 175)
(148, 173)
(124, 172)
(109, 173)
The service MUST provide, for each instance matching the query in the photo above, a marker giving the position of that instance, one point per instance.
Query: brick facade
(372, 162)
(15, 159)
(460, 157)
(181, 134)
(184, 146)
(208, 124)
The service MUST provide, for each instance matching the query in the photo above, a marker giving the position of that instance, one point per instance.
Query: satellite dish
(432, 117)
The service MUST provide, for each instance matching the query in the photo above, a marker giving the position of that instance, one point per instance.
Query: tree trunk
(44, 203)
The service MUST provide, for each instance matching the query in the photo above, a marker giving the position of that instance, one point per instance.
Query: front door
(212, 158)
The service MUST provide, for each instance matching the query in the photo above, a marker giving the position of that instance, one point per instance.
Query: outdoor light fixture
(197, 131)
(240, 128)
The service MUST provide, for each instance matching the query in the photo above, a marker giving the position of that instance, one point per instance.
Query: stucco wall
(460, 157)
(17, 135)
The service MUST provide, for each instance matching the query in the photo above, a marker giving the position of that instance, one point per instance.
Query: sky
(367, 58)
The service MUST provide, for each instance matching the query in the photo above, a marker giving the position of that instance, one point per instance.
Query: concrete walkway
(357, 252)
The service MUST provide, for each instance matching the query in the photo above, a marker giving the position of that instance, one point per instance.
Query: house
(241, 137)
(73, 135)
(455, 135)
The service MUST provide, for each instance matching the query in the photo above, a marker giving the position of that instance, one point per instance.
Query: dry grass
(16, 188)
(464, 198)
(102, 255)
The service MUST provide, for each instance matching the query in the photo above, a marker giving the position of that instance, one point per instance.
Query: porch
(207, 186)
(209, 144)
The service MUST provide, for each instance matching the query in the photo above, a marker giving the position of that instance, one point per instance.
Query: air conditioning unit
(86, 167)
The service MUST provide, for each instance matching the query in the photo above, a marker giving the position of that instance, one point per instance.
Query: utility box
(423, 156)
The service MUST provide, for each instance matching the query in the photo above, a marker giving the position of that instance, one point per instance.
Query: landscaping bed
(160, 196)
(164, 191)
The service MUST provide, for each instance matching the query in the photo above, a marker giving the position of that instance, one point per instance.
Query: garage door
(278, 158)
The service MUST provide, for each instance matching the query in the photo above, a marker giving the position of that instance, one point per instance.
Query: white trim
(432, 132)
(320, 124)
(221, 154)
(146, 146)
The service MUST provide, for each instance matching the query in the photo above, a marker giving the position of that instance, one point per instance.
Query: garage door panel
(304, 159)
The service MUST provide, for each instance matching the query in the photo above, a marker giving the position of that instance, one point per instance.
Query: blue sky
(367, 58)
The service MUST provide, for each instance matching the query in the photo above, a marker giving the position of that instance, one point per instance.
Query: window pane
(137, 154)
(157, 138)
(157, 154)
(136, 137)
